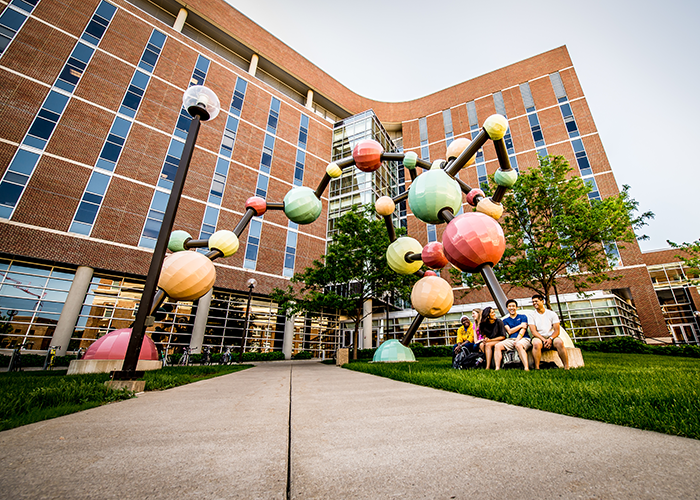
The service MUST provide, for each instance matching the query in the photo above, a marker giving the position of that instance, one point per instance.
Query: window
(290, 251)
(238, 96)
(447, 123)
(273, 115)
(154, 219)
(423, 130)
(253, 243)
(432, 233)
(90, 203)
(12, 20)
(533, 119)
(211, 217)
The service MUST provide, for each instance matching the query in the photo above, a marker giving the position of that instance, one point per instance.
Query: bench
(552, 356)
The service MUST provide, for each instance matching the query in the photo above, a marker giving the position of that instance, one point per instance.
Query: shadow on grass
(636, 390)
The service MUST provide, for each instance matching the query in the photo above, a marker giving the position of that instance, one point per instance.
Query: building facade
(92, 129)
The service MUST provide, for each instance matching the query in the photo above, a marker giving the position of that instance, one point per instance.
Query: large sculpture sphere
(384, 206)
(432, 296)
(301, 205)
(114, 344)
(396, 253)
(177, 240)
(256, 203)
(368, 155)
(472, 240)
(456, 148)
(431, 192)
(187, 275)
(434, 256)
(224, 241)
(496, 126)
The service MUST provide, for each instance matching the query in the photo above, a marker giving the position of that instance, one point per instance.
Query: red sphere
(430, 273)
(473, 194)
(368, 155)
(114, 344)
(256, 203)
(472, 240)
(433, 255)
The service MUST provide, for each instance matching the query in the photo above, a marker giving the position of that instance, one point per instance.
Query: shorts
(551, 348)
(509, 344)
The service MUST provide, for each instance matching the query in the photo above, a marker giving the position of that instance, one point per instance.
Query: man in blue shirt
(518, 338)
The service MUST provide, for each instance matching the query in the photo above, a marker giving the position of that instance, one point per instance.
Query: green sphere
(177, 240)
(393, 351)
(431, 192)
(302, 206)
(506, 178)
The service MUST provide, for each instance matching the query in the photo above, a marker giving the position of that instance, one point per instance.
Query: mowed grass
(656, 393)
(33, 396)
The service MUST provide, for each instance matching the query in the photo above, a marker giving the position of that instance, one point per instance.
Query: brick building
(91, 131)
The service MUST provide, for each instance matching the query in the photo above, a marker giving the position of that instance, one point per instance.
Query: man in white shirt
(544, 330)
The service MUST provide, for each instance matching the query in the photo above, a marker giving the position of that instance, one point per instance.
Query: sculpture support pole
(128, 371)
(412, 329)
(249, 213)
(495, 288)
(390, 228)
(466, 155)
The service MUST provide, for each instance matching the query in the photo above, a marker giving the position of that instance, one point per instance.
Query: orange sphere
(432, 296)
(187, 275)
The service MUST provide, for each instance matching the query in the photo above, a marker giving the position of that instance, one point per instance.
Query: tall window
(447, 123)
(423, 130)
(474, 130)
(533, 119)
(12, 20)
(501, 110)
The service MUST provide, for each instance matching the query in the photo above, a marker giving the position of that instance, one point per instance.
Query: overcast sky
(637, 61)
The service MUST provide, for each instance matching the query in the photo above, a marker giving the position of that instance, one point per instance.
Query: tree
(690, 258)
(553, 230)
(353, 270)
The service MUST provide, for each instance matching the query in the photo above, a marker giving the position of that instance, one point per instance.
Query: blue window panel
(200, 71)
(578, 145)
(583, 164)
(160, 201)
(424, 151)
(24, 162)
(55, 102)
(542, 151)
(273, 116)
(613, 254)
(251, 251)
(86, 212)
(80, 228)
(290, 254)
(303, 131)
(482, 173)
(98, 183)
(238, 96)
(150, 55)
(566, 110)
(152, 228)
(15, 180)
(594, 194)
(211, 217)
(534, 121)
(183, 124)
(10, 23)
(432, 233)
(9, 195)
(222, 167)
(572, 128)
(261, 187)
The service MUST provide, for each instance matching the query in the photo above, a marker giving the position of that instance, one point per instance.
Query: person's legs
(503, 345)
(522, 346)
(537, 352)
(563, 355)
(488, 350)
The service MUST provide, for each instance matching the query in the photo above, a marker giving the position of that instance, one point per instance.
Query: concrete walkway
(307, 430)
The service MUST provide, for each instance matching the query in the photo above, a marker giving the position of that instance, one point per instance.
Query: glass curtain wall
(355, 187)
(672, 285)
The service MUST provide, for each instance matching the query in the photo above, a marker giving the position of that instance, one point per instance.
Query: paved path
(351, 435)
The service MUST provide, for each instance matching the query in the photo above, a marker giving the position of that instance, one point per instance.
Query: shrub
(303, 355)
(435, 351)
(633, 346)
(364, 353)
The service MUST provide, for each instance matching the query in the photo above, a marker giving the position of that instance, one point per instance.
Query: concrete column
(71, 309)
(310, 99)
(288, 341)
(200, 322)
(180, 21)
(367, 324)
(253, 65)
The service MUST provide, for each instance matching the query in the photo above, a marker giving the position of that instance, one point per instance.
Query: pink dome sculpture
(368, 155)
(472, 240)
(114, 344)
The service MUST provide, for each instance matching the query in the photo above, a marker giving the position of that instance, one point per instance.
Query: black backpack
(466, 359)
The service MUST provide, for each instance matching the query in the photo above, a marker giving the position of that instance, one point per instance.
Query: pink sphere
(368, 155)
(472, 240)
(473, 194)
(256, 203)
(430, 273)
(433, 255)
(114, 344)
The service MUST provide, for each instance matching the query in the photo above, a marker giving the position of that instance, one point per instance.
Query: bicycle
(206, 356)
(50, 357)
(185, 359)
(226, 356)
(16, 360)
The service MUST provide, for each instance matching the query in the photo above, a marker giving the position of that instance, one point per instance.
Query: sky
(637, 62)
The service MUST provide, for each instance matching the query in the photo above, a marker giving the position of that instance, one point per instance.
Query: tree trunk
(556, 294)
(355, 339)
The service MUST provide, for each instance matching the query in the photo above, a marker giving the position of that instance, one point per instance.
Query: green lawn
(32, 396)
(650, 392)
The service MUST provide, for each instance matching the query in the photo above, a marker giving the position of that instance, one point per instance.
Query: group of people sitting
(492, 336)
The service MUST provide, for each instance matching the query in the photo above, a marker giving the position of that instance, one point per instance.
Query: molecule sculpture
(472, 242)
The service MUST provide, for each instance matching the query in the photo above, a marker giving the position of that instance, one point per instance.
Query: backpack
(466, 359)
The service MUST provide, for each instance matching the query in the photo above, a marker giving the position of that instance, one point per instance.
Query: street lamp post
(203, 105)
(251, 284)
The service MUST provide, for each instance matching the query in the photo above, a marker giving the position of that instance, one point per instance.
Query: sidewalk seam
(289, 440)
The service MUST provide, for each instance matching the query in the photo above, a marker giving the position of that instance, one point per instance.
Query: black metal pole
(245, 328)
(128, 371)
(495, 288)
(412, 329)
(470, 151)
(390, 228)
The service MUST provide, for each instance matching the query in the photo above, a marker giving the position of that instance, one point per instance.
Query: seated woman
(493, 331)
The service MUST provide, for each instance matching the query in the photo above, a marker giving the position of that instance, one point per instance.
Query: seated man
(518, 338)
(545, 332)
(465, 336)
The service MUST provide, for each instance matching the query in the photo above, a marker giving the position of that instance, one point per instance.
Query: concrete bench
(552, 356)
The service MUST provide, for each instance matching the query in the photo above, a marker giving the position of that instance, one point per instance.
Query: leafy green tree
(690, 258)
(353, 270)
(553, 230)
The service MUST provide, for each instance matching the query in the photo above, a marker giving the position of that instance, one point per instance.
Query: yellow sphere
(385, 206)
(457, 146)
(187, 275)
(224, 241)
(333, 170)
(489, 207)
(396, 252)
(496, 126)
(432, 296)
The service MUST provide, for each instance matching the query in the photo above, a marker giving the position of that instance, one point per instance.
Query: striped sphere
(256, 203)
(431, 192)
(301, 205)
(187, 275)
(368, 155)
(396, 252)
(434, 255)
(472, 240)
